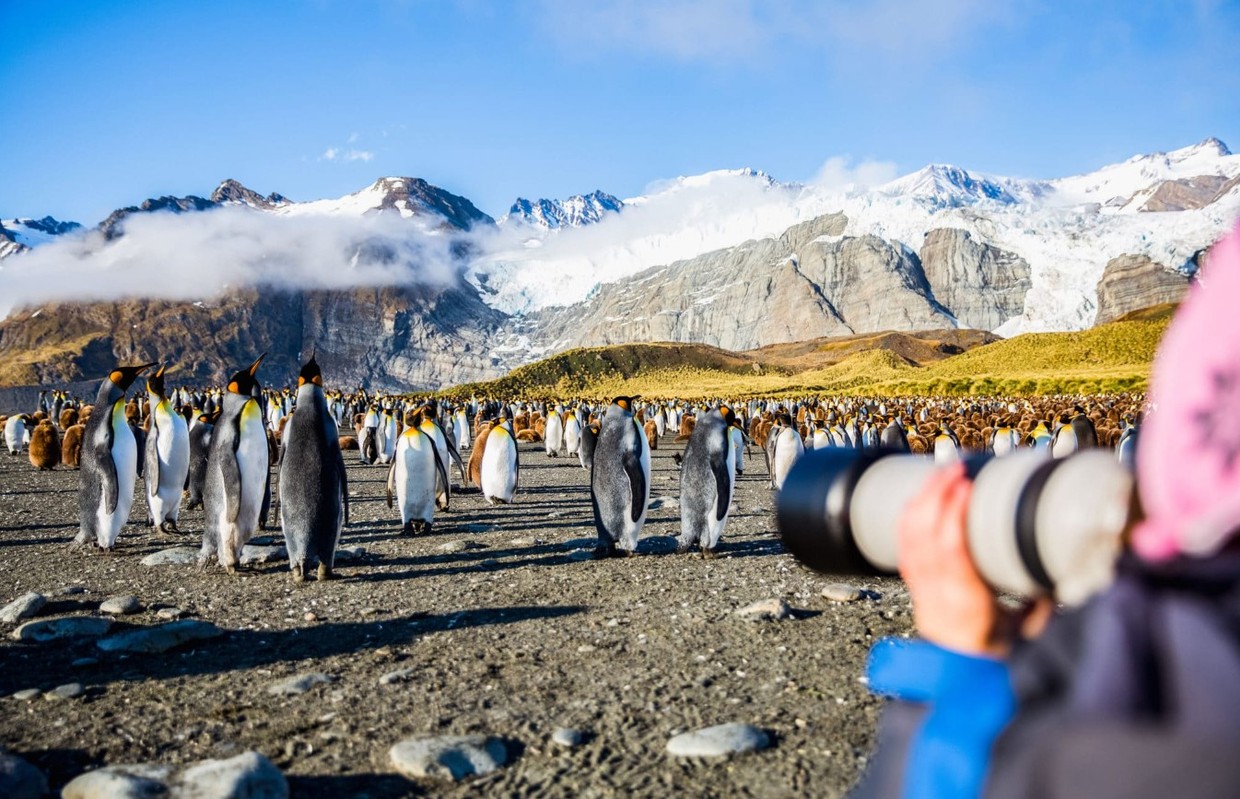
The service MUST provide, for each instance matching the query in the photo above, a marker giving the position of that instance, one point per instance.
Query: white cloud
(200, 255)
(838, 174)
(329, 154)
(358, 155)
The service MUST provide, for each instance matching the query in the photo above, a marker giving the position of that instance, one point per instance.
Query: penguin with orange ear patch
(707, 480)
(109, 463)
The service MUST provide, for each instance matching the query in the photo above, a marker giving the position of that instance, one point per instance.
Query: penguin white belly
(1042, 444)
(461, 428)
(945, 450)
(554, 434)
(788, 448)
(499, 466)
(821, 440)
(125, 459)
(252, 464)
(13, 431)
(660, 423)
(415, 478)
(1004, 445)
(572, 435)
(1065, 443)
(737, 440)
(172, 448)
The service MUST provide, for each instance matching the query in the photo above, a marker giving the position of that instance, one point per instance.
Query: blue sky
(107, 103)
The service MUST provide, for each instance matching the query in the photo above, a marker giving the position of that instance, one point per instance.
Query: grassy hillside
(1112, 357)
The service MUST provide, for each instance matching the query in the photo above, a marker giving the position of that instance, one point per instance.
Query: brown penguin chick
(68, 418)
(3, 420)
(44, 446)
(652, 433)
(761, 433)
(38, 417)
(640, 416)
(71, 446)
(84, 414)
(529, 436)
(132, 414)
(520, 422)
(687, 423)
(535, 418)
(474, 468)
(538, 428)
(917, 445)
(348, 442)
(359, 421)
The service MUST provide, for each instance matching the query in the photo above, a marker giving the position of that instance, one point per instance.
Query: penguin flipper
(453, 454)
(442, 471)
(107, 469)
(723, 498)
(391, 482)
(344, 484)
(631, 461)
(232, 477)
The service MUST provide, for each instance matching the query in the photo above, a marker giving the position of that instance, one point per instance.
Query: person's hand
(952, 606)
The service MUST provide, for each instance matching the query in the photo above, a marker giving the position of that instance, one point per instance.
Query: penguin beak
(254, 366)
(162, 368)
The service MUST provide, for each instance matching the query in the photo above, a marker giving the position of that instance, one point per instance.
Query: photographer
(1137, 692)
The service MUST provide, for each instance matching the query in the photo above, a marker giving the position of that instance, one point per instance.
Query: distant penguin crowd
(216, 448)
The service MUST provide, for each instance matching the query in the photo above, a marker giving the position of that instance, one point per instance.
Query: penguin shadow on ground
(239, 650)
(471, 561)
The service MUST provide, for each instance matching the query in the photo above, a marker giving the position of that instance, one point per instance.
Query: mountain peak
(413, 196)
(232, 191)
(576, 211)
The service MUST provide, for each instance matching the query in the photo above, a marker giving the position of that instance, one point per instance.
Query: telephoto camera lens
(1036, 525)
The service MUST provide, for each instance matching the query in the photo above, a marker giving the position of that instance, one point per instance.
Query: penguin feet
(298, 572)
(410, 528)
(325, 573)
(604, 551)
(709, 554)
(169, 526)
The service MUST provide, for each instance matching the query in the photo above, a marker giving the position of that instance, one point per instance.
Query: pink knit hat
(1188, 458)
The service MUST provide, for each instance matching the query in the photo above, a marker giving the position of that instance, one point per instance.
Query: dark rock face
(230, 191)
(417, 196)
(1186, 194)
(1132, 282)
(51, 225)
(112, 226)
(982, 285)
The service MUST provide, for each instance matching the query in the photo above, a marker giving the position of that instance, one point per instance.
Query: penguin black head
(729, 416)
(626, 402)
(155, 383)
(243, 382)
(310, 373)
(123, 376)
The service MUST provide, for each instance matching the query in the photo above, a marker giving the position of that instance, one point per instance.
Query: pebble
(452, 546)
(169, 614)
(121, 605)
(671, 503)
(766, 610)
(71, 690)
(310, 615)
(525, 542)
(396, 676)
(720, 741)
(28, 694)
(67, 627)
(451, 757)
(249, 775)
(19, 779)
(23, 607)
(346, 554)
(119, 782)
(177, 556)
(160, 637)
(568, 737)
(257, 553)
(299, 684)
(841, 592)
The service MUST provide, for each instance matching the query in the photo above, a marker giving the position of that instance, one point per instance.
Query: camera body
(1036, 525)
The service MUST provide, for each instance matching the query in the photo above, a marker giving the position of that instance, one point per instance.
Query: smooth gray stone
(393, 677)
(451, 757)
(28, 694)
(169, 614)
(161, 637)
(255, 553)
(299, 684)
(568, 737)
(671, 503)
(346, 554)
(19, 779)
(249, 775)
(121, 605)
(766, 610)
(120, 782)
(177, 556)
(66, 627)
(70, 690)
(720, 741)
(841, 592)
(23, 607)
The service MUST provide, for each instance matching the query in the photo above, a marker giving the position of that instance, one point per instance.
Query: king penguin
(314, 490)
(17, 430)
(199, 445)
(585, 449)
(416, 473)
(554, 435)
(167, 457)
(707, 479)
(572, 433)
(109, 465)
(237, 472)
(620, 480)
(785, 449)
(501, 467)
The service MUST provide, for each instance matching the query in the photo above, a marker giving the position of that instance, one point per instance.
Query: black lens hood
(813, 509)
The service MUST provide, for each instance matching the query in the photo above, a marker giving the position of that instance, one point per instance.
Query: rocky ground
(498, 624)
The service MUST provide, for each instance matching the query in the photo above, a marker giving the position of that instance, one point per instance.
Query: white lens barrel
(881, 495)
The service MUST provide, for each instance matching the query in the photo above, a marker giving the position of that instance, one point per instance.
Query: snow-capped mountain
(409, 197)
(33, 232)
(576, 211)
